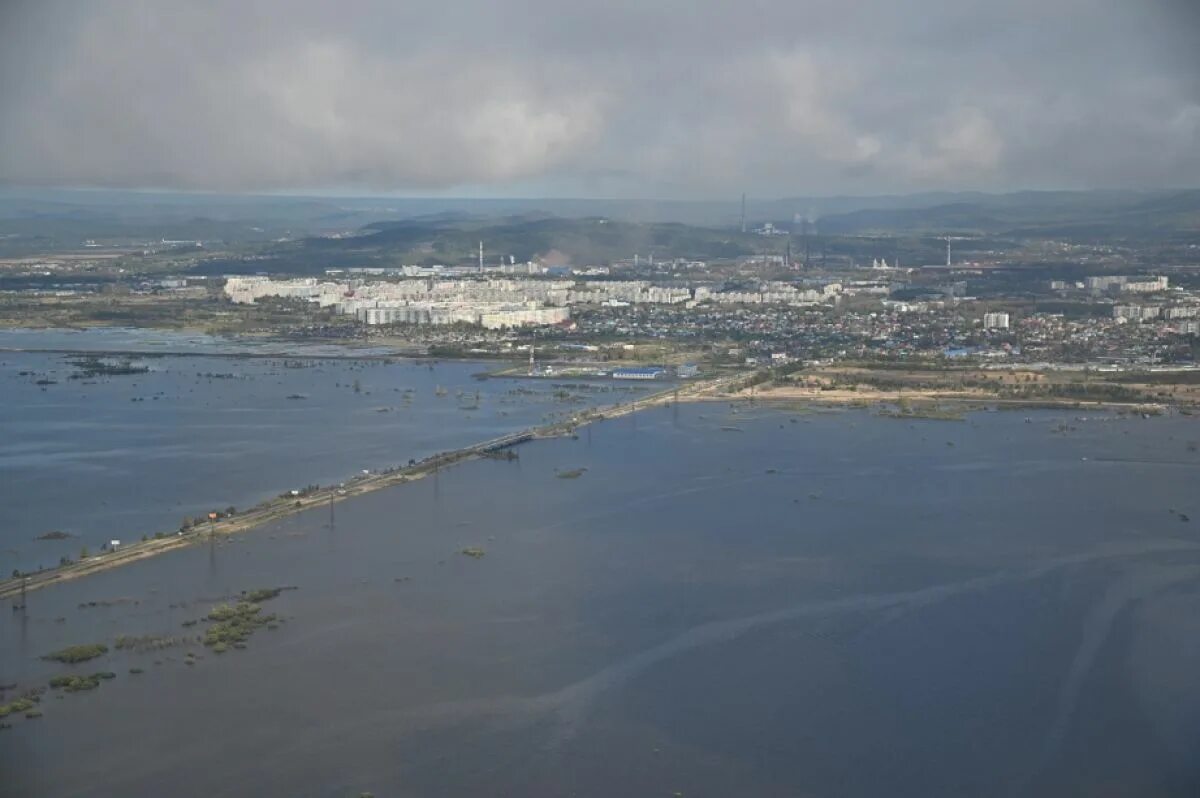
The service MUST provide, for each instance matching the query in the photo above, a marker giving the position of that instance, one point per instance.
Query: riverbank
(918, 400)
(283, 506)
(978, 386)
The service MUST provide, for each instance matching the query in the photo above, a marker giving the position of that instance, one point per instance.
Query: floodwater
(117, 457)
(756, 603)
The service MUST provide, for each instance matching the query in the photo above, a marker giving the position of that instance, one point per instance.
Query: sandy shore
(920, 398)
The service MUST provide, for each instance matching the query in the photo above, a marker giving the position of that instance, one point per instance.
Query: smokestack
(743, 213)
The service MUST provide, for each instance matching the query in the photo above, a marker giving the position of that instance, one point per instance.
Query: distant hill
(447, 230)
(1034, 214)
(532, 237)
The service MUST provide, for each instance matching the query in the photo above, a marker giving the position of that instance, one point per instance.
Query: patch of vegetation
(54, 535)
(473, 551)
(23, 704)
(73, 654)
(233, 624)
(574, 473)
(141, 643)
(78, 684)
(262, 594)
(933, 413)
(92, 366)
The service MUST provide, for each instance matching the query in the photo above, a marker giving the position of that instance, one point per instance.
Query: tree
(83, 553)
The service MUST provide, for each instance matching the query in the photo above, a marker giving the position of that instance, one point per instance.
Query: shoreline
(924, 400)
(13, 588)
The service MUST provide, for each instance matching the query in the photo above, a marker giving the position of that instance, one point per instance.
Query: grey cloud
(664, 98)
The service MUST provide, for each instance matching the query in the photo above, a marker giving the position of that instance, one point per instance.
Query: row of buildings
(1121, 284)
(1152, 312)
(500, 303)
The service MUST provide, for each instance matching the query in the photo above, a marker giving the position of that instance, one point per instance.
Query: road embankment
(13, 588)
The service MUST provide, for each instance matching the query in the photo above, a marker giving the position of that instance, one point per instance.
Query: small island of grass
(74, 654)
(261, 594)
(55, 534)
(574, 473)
(77, 684)
(233, 624)
(23, 704)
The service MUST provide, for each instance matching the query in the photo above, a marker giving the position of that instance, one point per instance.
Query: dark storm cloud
(602, 97)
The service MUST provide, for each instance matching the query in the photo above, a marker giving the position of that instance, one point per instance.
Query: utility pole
(743, 212)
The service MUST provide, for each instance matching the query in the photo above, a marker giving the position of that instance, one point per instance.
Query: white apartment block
(1147, 286)
(995, 321)
(1135, 312)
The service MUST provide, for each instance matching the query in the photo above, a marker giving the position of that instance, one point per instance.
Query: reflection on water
(828, 604)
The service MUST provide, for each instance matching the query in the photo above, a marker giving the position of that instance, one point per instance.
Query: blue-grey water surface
(118, 457)
(752, 604)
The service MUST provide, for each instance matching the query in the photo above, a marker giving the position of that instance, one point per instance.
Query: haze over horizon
(616, 99)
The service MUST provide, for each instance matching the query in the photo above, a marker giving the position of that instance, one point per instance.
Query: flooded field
(828, 603)
(95, 449)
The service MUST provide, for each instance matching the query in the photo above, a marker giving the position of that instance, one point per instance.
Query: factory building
(640, 373)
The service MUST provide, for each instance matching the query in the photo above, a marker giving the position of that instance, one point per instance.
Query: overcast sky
(624, 98)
